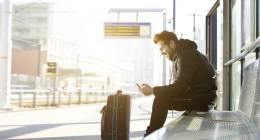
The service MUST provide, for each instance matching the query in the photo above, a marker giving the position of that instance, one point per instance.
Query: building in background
(40, 35)
(29, 37)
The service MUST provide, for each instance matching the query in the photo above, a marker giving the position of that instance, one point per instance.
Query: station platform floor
(75, 122)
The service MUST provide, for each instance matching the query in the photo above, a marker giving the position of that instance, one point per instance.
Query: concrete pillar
(5, 53)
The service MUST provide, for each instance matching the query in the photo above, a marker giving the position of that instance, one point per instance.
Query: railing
(19, 95)
(246, 50)
(34, 98)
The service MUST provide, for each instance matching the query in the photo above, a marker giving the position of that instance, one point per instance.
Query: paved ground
(69, 122)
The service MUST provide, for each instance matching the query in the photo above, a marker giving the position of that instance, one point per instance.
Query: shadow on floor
(86, 137)
(26, 129)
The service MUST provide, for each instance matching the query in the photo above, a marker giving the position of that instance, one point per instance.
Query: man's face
(167, 50)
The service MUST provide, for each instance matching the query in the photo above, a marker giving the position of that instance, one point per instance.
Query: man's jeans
(162, 103)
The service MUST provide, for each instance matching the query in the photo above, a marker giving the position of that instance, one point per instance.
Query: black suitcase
(115, 121)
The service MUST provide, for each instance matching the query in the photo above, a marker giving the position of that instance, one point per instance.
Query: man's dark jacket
(195, 78)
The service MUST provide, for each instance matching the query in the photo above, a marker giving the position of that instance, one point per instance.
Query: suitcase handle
(119, 92)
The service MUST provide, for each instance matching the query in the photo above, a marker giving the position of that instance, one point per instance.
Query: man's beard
(170, 56)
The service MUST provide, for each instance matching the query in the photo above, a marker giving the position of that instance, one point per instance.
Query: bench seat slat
(198, 128)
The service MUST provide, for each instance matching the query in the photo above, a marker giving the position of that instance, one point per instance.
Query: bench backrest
(248, 90)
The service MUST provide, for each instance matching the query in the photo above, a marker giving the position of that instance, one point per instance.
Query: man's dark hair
(165, 36)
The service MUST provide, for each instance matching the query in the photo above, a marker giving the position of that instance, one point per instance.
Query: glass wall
(220, 56)
(236, 84)
(250, 58)
(215, 45)
(248, 28)
(257, 18)
(235, 51)
(246, 21)
(242, 30)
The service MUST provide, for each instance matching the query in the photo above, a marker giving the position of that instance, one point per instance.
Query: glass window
(246, 22)
(257, 18)
(235, 51)
(220, 56)
(236, 84)
(249, 58)
(235, 29)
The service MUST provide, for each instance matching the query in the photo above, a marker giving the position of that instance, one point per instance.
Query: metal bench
(243, 124)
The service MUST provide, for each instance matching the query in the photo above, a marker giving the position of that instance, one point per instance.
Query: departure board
(127, 29)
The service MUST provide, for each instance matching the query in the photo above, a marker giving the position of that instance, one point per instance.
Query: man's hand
(146, 89)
